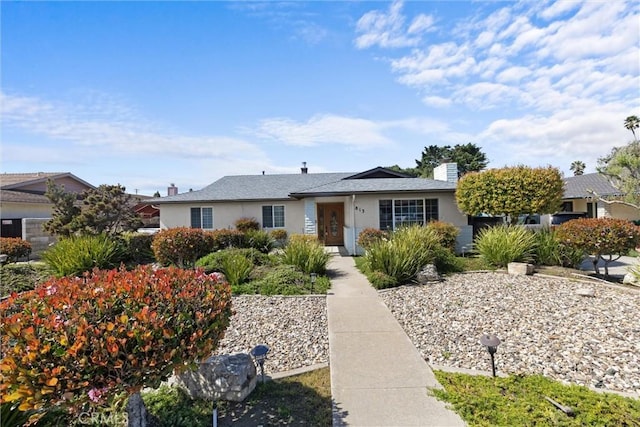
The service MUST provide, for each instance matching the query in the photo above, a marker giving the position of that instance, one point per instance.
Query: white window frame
(201, 219)
(273, 216)
(424, 209)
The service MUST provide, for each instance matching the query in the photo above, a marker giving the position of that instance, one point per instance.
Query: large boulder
(520, 268)
(429, 273)
(227, 377)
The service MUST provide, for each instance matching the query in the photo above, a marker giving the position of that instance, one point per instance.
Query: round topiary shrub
(247, 224)
(15, 248)
(447, 233)
(74, 342)
(181, 246)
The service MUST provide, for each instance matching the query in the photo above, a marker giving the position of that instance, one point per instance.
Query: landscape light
(259, 353)
(491, 342)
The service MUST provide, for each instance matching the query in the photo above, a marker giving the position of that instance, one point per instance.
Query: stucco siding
(26, 210)
(226, 214)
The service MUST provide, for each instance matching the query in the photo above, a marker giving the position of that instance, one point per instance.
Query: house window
(202, 218)
(567, 207)
(398, 213)
(273, 216)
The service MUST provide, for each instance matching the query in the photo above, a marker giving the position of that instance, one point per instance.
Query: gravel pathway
(545, 327)
(294, 328)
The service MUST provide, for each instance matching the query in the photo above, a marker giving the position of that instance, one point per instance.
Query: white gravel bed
(294, 328)
(544, 326)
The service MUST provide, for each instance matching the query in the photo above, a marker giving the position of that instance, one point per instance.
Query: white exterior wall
(226, 214)
(26, 210)
(606, 210)
(300, 215)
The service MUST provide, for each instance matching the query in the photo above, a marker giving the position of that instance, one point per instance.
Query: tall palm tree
(632, 123)
(578, 167)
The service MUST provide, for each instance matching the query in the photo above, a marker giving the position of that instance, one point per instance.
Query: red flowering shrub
(447, 233)
(369, 236)
(75, 340)
(224, 239)
(599, 237)
(247, 224)
(15, 248)
(181, 246)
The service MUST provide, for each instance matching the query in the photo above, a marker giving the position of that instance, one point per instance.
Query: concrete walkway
(378, 377)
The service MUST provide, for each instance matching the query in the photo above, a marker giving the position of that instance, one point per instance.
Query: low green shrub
(247, 224)
(22, 277)
(137, 247)
(172, 407)
(381, 280)
(287, 280)
(406, 252)
(369, 236)
(224, 239)
(76, 255)
(447, 234)
(307, 255)
(15, 248)
(260, 240)
(215, 260)
(446, 261)
(503, 244)
(181, 246)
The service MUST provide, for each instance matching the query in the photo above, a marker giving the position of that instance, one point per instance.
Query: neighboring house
(22, 196)
(333, 206)
(579, 197)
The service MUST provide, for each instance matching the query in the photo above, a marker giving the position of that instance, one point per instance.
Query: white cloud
(107, 125)
(388, 29)
(324, 129)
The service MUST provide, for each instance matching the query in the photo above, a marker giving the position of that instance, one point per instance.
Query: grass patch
(474, 263)
(303, 399)
(519, 400)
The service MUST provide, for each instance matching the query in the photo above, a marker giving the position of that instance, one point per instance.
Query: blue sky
(151, 93)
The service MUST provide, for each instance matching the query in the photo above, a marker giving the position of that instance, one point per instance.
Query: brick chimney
(304, 169)
(172, 190)
(446, 172)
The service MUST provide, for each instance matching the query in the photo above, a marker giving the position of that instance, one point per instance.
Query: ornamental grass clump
(402, 256)
(80, 342)
(307, 254)
(73, 256)
(503, 244)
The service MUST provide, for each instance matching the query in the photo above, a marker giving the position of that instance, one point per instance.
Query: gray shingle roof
(282, 187)
(576, 187)
(378, 185)
(255, 187)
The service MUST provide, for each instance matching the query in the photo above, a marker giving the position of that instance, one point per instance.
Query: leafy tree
(104, 210)
(109, 210)
(65, 210)
(156, 194)
(622, 168)
(578, 167)
(600, 237)
(469, 158)
(408, 171)
(510, 191)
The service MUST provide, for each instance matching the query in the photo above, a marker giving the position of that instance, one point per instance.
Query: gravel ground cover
(294, 328)
(544, 325)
